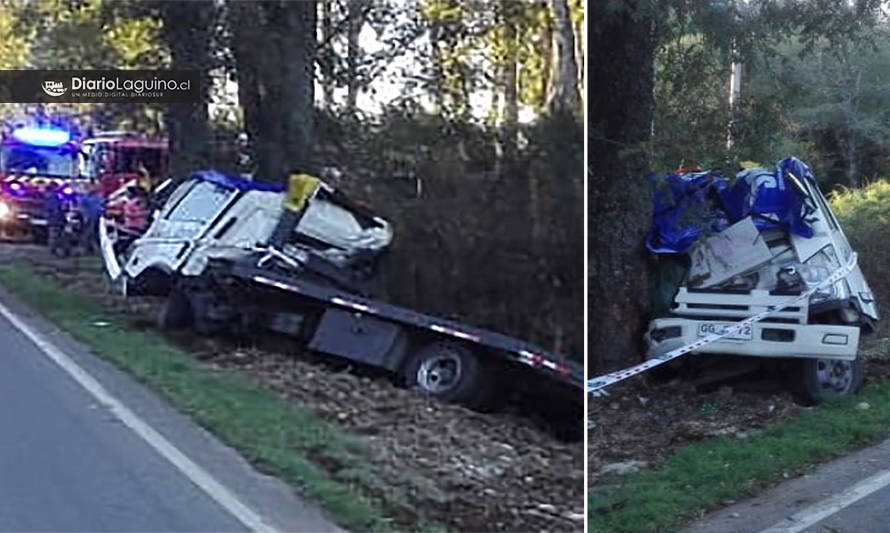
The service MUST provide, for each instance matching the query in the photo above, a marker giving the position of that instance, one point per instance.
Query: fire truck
(118, 159)
(121, 162)
(35, 160)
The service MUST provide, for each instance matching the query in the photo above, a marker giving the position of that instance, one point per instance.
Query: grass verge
(279, 438)
(703, 475)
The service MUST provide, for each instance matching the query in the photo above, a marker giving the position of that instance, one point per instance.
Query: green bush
(865, 216)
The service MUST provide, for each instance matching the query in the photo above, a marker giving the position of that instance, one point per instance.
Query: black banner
(82, 86)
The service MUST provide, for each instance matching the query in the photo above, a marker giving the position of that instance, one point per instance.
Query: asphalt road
(848, 495)
(69, 463)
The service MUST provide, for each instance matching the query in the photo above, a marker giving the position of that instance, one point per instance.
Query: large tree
(622, 43)
(187, 30)
(564, 95)
(274, 48)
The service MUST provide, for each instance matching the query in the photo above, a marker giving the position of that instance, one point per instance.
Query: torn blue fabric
(687, 205)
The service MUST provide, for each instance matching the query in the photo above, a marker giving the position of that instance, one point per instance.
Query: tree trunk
(850, 83)
(327, 64)
(275, 52)
(438, 81)
(299, 84)
(580, 59)
(357, 12)
(243, 28)
(187, 32)
(564, 96)
(547, 51)
(510, 81)
(619, 118)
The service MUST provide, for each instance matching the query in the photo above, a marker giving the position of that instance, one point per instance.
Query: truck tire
(176, 313)
(451, 373)
(821, 379)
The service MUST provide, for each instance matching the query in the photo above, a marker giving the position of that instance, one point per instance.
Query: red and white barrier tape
(596, 385)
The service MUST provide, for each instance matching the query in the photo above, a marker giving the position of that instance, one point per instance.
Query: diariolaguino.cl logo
(138, 86)
(54, 88)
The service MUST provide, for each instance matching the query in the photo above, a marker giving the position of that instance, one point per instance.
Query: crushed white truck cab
(776, 238)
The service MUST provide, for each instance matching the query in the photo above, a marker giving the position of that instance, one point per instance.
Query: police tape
(596, 385)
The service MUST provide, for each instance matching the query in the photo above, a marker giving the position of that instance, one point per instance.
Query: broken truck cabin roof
(234, 182)
(689, 205)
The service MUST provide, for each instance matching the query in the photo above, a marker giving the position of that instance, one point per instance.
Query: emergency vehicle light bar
(41, 136)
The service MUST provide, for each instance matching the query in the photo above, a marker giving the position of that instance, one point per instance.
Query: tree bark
(510, 80)
(580, 58)
(358, 10)
(327, 65)
(243, 30)
(299, 84)
(850, 81)
(619, 116)
(275, 53)
(547, 51)
(187, 32)
(564, 96)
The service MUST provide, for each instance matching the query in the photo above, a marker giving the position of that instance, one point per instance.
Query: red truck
(118, 160)
(115, 159)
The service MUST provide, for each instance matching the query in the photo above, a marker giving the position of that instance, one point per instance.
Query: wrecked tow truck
(244, 257)
(729, 249)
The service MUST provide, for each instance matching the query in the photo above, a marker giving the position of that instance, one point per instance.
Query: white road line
(197, 475)
(829, 506)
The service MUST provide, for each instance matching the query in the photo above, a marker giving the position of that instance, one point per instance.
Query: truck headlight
(816, 270)
(4, 210)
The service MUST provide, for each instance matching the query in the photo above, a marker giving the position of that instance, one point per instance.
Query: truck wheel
(176, 313)
(449, 372)
(821, 379)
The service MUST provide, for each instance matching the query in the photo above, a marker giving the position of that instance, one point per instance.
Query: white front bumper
(800, 340)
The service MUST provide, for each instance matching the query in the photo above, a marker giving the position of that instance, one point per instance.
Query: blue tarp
(236, 182)
(685, 205)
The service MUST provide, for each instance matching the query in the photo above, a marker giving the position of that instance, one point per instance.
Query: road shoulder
(271, 498)
(776, 504)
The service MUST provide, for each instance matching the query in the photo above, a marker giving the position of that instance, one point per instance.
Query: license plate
(38, 222)
(707, 328)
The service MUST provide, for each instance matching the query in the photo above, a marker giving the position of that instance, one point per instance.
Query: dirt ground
(449, 465)
(642, 422)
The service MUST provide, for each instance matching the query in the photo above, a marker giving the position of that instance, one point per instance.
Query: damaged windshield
(202, 203)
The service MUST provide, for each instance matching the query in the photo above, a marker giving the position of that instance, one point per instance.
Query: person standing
(55, 218)
(93, 207)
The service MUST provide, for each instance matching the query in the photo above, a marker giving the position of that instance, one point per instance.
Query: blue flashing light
(41, 136)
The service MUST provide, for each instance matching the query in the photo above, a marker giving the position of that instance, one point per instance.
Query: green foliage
(137, 43)
(812, 84)
(470, 49)
(865, 216)
(14, 46)
(833, 100)
(89, 34)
